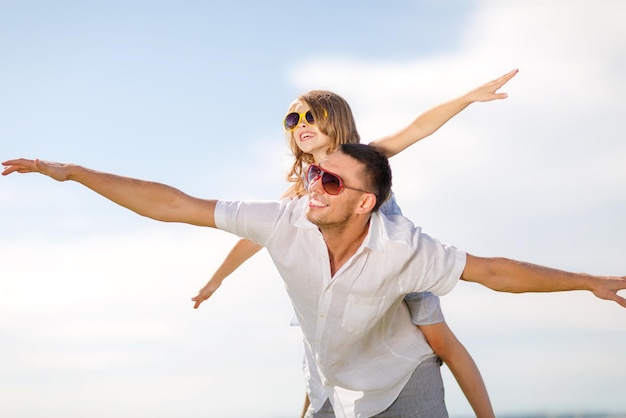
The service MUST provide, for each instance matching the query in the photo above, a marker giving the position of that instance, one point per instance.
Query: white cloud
(112, 314)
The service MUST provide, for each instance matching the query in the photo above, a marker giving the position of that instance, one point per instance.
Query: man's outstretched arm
(154, 200)
(512, 276)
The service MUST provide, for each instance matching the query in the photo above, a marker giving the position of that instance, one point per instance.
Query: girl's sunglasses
(331, 183)
(293, 119)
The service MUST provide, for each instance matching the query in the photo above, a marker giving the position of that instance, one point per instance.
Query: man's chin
(309, 216)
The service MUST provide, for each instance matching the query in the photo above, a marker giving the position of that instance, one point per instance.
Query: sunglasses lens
(312, 173)
(331, 183)
(291, 120)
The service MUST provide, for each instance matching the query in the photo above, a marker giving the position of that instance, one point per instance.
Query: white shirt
(360, 344)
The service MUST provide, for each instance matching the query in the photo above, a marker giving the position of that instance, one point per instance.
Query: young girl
(317, 123)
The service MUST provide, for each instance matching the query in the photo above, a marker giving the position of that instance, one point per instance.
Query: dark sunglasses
(293, 119)
(331, 183)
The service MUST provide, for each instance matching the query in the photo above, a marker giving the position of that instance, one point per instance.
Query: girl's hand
(205, 293)
(488, 91)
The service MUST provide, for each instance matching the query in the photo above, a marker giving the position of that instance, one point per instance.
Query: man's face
(326, 210)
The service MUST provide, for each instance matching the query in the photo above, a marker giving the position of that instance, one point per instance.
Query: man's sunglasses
(293, 119)
(331, 183)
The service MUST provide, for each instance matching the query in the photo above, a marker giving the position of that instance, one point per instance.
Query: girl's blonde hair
(333, 117)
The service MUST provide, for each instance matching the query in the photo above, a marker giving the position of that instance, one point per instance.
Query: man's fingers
(620, 300)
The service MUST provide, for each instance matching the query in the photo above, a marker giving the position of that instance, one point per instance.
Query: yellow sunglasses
(294, 118)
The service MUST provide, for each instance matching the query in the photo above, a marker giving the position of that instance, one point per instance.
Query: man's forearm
(512, 276)
(150, 199)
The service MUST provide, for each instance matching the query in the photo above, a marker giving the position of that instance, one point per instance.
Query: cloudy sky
(95, 316)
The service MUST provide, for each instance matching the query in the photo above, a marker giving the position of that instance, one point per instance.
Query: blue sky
(94, 300)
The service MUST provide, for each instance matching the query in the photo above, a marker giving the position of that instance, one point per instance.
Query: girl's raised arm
(431, 120)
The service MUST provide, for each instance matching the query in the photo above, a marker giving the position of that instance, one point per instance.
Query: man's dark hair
(376, 170)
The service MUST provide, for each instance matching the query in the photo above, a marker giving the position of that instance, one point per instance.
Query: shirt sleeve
(438, 266)
(251, 220)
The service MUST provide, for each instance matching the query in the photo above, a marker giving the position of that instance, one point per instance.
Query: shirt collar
(376, 233)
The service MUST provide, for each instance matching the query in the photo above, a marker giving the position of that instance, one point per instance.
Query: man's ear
(368, 201)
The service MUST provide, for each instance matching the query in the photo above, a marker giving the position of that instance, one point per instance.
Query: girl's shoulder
(390, 206)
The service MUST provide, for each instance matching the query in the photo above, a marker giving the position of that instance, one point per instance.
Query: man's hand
(608, 287)
(53, 170)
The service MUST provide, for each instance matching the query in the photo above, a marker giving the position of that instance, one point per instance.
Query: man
(346, 269)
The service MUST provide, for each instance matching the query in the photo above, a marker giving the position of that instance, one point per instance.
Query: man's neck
(342, 243)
